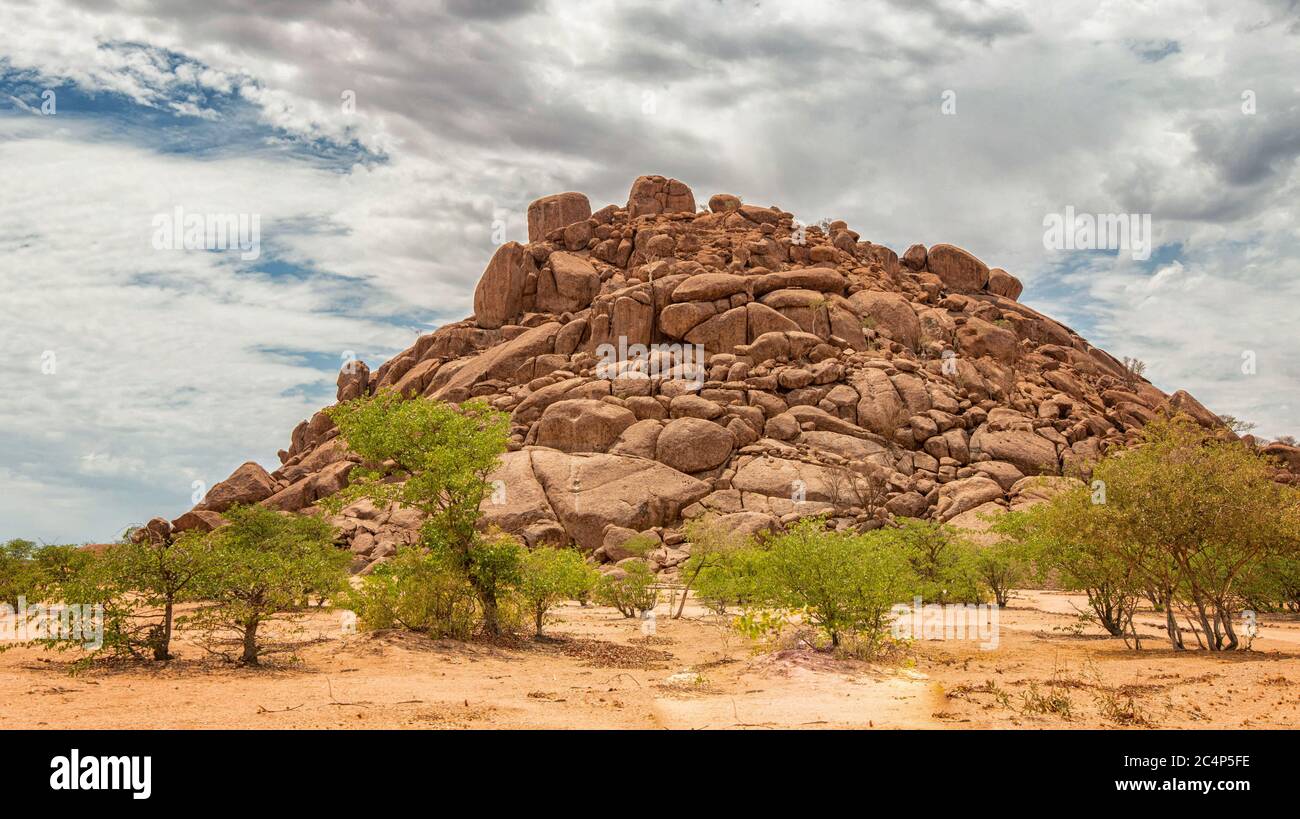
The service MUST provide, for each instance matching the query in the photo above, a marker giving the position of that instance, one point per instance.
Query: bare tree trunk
(1229, 633)
(491, 621)
(250, 641)
(1171, 626)
(162, 648)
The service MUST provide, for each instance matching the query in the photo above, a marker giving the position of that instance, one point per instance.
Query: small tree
(711, 545)
(419, 590)
(731, 580)
(157, 574)
(1188, 516)
(1066, 542)
(630, 588)
(436, 458)
(1196, 514)
(264, 564)
(1002, 567)
(55, 566)
(1135, 367)
(549, 576)
(844, 583)
(18, 570)
(943, 560)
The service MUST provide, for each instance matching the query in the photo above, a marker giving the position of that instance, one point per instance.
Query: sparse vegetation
(1236, 424)
(843, 583)
(549, 576)
(712, 546)
(629, 588)
(1192, 520)
(945, 563)
(262, 565)
(443, 455)
(418, 591)
(1135, 367)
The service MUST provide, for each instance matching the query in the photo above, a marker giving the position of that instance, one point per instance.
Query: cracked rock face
(660, 363)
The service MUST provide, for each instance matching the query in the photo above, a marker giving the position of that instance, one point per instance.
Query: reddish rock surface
(831, 377)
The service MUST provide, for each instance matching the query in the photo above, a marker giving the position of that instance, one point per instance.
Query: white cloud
(825, 108)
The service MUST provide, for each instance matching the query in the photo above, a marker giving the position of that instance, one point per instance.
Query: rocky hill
(661, 362)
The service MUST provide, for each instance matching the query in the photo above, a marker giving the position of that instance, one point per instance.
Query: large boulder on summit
(556, 211)
(353, 381)
(499, 297)
(957, 268)
(915, 257)
(249, 483)
(1002, 283)
(724, 202)
(651, 195)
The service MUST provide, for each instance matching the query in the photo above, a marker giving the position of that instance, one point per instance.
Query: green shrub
(844, 583)
(419, 591)
(729, 580)
(945, 563)
(140, 584)
(549, 576)
(435, 457)
(18, 571)
(264, 564)
(1065, 544)
(1002, 567)
(1187, 517)
(628, 589)
(712, 546)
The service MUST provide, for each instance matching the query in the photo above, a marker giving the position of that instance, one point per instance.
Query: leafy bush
(1002, 568)
(18, 571)
(1066, 544)
(419, 591)
(1190, 519)
(139, 582)
(436, 458)
(629, 588)
(264, 564)
(730, 580)
(844, 583)
(712, 546)
(945, 563)
(549, 576)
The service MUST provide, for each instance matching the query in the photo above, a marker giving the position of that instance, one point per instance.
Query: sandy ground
(601, 671)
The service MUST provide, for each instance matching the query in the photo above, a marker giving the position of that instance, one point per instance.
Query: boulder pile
(661, 362)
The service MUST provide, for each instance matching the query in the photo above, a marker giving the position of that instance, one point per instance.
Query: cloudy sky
(378, 143)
